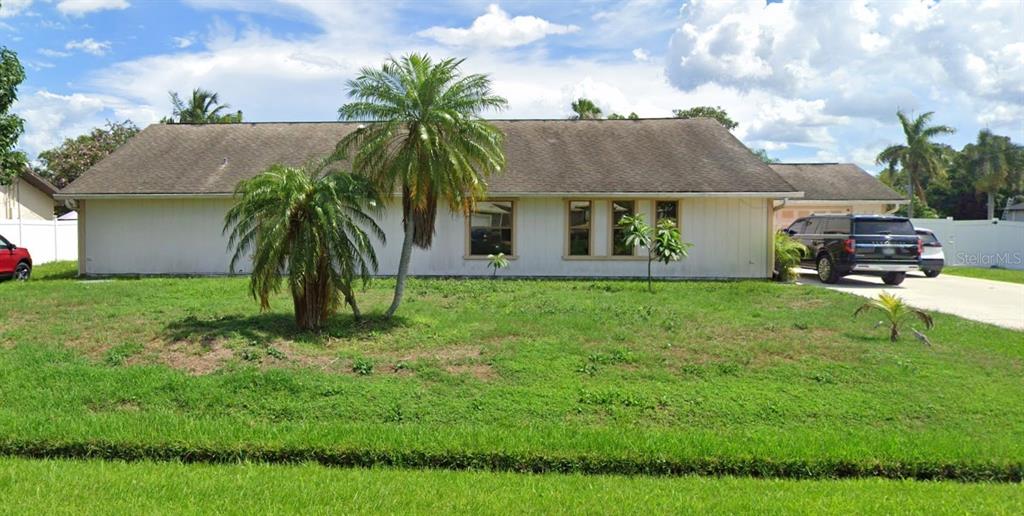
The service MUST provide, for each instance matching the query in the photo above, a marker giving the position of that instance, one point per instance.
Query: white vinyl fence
(46, 240)
(979, 243)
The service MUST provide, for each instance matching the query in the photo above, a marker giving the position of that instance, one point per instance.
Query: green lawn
(599, 376)
(1009, 275)
(77, 487)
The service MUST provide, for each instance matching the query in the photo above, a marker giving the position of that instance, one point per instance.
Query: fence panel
(979, 243)
(46, 240)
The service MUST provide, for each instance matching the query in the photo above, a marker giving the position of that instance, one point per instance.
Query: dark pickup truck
(859, 244)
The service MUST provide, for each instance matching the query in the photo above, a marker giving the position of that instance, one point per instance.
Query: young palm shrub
(664, 243)
(424, 137)
(497, 261)
(896, 313)
(788, 253)
(313, 226)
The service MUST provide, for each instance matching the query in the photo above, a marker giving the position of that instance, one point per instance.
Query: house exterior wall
(183, 236)
(792, 211)
(22, 200)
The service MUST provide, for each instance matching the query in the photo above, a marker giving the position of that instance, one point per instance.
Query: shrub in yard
(896, 314)
(309, 227)
(362, 366)
(497, 261)
(663, 242)
(788, 253)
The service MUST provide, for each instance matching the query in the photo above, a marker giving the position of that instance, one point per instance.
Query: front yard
(600, 376)
(1008, 275)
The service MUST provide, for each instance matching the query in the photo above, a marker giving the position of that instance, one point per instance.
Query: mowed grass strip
(1007, 275)
(72, 487)
(748, 377)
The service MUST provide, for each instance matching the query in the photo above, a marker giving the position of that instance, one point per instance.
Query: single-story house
(833, 188)
(157, 204)
(28, 197)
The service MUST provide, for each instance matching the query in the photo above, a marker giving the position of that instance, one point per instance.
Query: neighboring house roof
(544, 156)
(835, 182)
(39, 182)
(1015, 207)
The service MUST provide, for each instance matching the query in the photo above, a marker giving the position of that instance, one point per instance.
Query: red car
(15, 262)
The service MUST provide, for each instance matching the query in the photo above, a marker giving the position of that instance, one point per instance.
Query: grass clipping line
(522, 463)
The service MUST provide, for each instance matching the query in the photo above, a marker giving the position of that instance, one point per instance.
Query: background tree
(63, 164)
(12, 161)
(716, 113)
(203, 107)
(630, 116)
(585, 109)
(425, 137)
(311, 225)
(920, 157)
(992, 161)
(763, 154)
(663, 242)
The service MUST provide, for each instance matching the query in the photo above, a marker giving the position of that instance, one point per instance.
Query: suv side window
(837, 226)
(814, 226)
(797, 227)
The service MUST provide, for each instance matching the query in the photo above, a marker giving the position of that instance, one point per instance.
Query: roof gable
(544, 156)
(835, 182)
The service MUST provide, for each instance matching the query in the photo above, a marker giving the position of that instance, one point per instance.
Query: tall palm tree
(995, 163)
(202, 108)
(312, 225)
(585, 109)
(424, 136)
(920, 157)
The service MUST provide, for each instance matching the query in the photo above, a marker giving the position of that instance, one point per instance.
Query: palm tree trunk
(991, 205)
(910, 195)
(650, 287)
(894, 333)
(350, 299)
(403, 264)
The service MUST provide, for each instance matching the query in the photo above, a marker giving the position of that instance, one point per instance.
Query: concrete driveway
(993, 302)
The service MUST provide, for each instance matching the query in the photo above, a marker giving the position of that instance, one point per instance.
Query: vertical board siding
(183, 236)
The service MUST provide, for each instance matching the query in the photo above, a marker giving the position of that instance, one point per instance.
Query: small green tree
(763, 154)
(497, 261)
(716, 113)
(631, 116)
(788, 253)
(585, 109)
(896, 313)
(664, 243)
(12, 161)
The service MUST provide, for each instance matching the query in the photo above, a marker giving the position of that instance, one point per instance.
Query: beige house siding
(183, 236)
(791, 211)
(22, 200)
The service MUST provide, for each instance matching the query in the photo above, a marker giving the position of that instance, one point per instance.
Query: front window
(621, 209)
(579, 228)
(490, 228)
(666, 210)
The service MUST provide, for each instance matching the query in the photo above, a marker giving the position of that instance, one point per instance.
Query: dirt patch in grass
(449, 354)
(479, 371)
(761, 346)
(195, 358)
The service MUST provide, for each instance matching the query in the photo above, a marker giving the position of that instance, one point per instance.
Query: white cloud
(53, 53)
(89, 46)
(183, 41)
(50, 117)
(641, 55)
(10, 8)
(83, 7)
(497, 29)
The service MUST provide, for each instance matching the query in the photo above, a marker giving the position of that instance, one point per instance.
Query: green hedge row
(502, 461)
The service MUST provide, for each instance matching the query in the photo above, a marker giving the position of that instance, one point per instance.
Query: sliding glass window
(579, 228)
(490, 228)
(621, 209)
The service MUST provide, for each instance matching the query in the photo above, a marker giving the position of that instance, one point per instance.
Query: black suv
(859, 244)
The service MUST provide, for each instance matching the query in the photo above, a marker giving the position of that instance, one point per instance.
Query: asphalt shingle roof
(544, 156)
(835, 182)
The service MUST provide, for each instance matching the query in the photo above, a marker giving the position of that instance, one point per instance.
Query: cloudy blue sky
(809, 81)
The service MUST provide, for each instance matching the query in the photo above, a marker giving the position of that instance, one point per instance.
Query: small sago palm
(788, 253)
(424, 137)
(308, 227)
(896, 313)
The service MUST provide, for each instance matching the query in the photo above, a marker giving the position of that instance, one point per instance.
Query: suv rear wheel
(894, 278)
(827, 270)
(932, 274)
